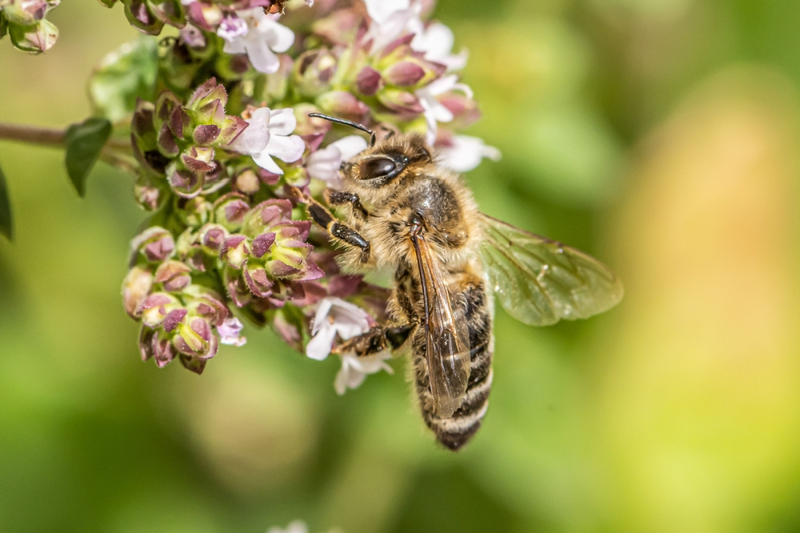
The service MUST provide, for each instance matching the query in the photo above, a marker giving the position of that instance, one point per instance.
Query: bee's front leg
(343, 198)
(335, 228)
(376, 340)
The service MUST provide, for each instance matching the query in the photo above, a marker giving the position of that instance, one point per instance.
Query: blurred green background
(659, 135)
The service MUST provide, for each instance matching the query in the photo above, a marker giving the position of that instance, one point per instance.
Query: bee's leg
(335, 228)
(376, 340)
(342, 198)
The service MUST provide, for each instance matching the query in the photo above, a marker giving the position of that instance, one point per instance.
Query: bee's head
(384, 161)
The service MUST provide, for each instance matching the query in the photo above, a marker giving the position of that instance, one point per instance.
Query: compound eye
(377, 167)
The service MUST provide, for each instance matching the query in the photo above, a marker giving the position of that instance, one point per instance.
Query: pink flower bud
(135, 289)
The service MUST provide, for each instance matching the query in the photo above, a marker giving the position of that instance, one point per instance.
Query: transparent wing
(447, 335)
(539, 281)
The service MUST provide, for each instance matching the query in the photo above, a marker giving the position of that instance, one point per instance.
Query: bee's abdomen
(456, 431)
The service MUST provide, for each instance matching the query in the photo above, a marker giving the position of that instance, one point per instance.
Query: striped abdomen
(454, 432)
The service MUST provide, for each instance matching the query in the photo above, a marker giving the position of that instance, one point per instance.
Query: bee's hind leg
(376, 340)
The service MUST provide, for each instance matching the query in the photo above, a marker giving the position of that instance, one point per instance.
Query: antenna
(372, 138)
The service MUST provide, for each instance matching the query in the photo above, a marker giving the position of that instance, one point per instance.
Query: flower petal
(282, 121)
(278, 37)
(324, 164)
(262, 58)
(320, 344)
(265, 161)
(287, 149)
(380, 10)
(350, 146)
(234, 47)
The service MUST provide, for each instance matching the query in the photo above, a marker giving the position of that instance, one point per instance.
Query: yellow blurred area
(659, 136)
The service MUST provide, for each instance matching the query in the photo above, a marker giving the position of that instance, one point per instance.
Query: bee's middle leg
(376, 340)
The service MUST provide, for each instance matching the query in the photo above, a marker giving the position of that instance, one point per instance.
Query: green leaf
(6, 221)
(123, 76)
(85, 141)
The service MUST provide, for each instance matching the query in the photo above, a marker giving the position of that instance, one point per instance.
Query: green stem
(32, 134)
(57, 138)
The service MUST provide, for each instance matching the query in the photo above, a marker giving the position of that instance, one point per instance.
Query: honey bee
(405, 212)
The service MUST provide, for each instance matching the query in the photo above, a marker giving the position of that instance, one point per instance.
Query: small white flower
(434, 110)
(309, 3)
(389, 19)
(298, 526)
(334, 315)
(229, 332)
(231, 28)
(268, 135)
(465, 153)
(355, 370)
(436, 42)
(260, 39)
(324, 164)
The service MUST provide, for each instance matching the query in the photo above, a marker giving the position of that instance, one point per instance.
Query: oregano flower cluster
(212, 116)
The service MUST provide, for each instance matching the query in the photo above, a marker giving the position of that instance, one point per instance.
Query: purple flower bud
(185, 183)
(199, 160)
(235, 251)
(403, 103)
(193, 364)
(464, 109)
(207, 304)
(163, 350)
(206, 134)
(257, 281)
(178, 121)
(166, 142)
(262, 244)
(342, 103)
(156, 307)
(155, 244)
(24, 13)
(236, 287)
(135, 289)
(231, 128)
(204, 16)
(148, 195)
(368, 81)
(404, 74)
(279, 269)
(172, 319)
(208, 101)
(193, 37)
(173, 275)
(146, 338)
(193, 338)
(288, 331)
(211, 238)
(141, 16)
(230, 211)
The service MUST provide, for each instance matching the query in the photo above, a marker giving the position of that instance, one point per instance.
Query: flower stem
(57, 138)
(32, 134)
